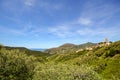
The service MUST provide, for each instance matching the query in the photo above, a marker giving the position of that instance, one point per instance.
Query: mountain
(83, 46)
(38, 49)
(20, 48)
(68, 47)
(61, 49)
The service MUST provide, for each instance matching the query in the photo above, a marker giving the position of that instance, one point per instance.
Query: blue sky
(50, 23)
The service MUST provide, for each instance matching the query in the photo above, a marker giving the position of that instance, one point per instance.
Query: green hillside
(101, 63)
(104, 60)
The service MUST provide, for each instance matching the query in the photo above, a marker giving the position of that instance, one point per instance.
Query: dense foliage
(51, 71)
(101, 63)
(15, 65)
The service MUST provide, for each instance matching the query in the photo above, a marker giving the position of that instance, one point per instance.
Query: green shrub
(15, 65)
(64, 72)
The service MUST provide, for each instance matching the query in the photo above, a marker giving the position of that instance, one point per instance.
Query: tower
(106, 40)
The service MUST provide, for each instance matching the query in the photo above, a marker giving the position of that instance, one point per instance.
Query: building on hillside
(106, 40)
(89, 48)
(100, 44)
(105, 43)
(79, 50)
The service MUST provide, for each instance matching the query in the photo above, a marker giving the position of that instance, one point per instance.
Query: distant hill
(20, 48)
(61, 49)
(68, 47)
(38, 49)
(83, 46)
(28, 51)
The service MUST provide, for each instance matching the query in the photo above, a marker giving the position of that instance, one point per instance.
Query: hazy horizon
(51, 23)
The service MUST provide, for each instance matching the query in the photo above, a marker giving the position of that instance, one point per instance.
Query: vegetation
(15, 66)
(101, 63)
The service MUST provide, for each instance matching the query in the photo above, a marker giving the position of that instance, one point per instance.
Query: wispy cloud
(77, 28)
(26, 30)
(99, 12)
(61, 31)
(49, 5)
(13, 19)
(113, 31)
(22, 6)
(7, 30)
(65, 31)
(84, 21)
(43, 4)
(93, 14)
(29, 2)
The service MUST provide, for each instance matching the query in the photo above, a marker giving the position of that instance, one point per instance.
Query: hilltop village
(100, 44)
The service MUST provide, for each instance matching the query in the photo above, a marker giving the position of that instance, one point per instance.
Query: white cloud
(14, 19)
(49, 7)
(85, 31)
(11, 31)
(84, 21)
(65, 31)
(61, 31)
(112, 31)
(97, 12)
(29, 2)
(27, 29)
(43, 4)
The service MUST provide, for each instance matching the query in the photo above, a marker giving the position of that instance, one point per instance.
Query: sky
(50, 23)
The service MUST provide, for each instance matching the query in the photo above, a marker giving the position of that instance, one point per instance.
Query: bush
(64, 72)
(15, 65)
(1, 46)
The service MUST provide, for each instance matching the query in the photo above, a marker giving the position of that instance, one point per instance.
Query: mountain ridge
(67, 47)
